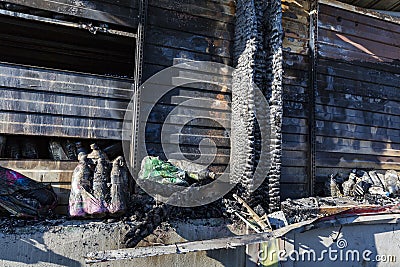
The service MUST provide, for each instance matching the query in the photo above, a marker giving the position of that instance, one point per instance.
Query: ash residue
(148, 215)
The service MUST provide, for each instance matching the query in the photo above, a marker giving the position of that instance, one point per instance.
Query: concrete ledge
(66, 244)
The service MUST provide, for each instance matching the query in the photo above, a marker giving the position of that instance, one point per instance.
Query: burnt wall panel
(60, 81)
(177, 31)
(357, 101)
(43, 102)
(296, 86)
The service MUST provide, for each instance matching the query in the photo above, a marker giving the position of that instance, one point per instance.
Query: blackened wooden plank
(378, 23)
(373, 104)
(354, 116)
(165, 56)
(153, 131)
(333, 52)
(351, 28)
(217, 11)
(360, 44)
(353, 146)
(359, 73)
(297, 142)
(170, 19)
(349, 86)
(294, 125)
(296, 77)
(63, 82)
(188, 41)
(295, 109)
(59, 126)
(123, 3)
(293, 176)
(294, 158)
(295, 61)
(66, 35)
(360, 132)
(44, 103)
(295, 93)
(354, 161)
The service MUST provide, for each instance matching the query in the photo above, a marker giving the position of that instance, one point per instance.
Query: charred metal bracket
(140, 38)
(312, 96)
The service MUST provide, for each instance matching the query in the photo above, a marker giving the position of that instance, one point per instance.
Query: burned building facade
(328, 70)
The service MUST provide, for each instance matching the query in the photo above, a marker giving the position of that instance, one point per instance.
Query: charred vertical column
(312, 95)
(258, 58)
(273, 39)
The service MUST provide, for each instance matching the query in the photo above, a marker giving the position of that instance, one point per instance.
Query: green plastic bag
(153, 168)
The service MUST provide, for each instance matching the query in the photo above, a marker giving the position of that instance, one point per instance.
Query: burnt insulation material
(258, 59)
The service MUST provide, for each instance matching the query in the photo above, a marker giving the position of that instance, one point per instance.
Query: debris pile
(99, 187)
(365, 184)
(359, 189)
(21, 196)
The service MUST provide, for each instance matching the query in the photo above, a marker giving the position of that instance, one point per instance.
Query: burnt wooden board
(215, 10)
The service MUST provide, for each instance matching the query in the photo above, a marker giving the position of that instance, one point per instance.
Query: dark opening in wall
(59, 47)
(20, 147)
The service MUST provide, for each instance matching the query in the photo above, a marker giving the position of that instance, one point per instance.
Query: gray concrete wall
(343, 242)
(67, 244)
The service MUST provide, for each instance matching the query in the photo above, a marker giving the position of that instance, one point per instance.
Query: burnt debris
(99, 187)
(21, 196)
(360, 184)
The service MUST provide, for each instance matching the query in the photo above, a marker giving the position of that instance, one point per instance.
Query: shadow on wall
(226, 257)
(27, 245)
(30, 249)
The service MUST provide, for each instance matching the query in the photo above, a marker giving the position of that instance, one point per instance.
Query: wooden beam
(195, 246)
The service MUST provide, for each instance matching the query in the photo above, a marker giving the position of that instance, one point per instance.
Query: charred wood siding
(296, 86)
(181, 30)
(57, 173)
(53, 103)
(358, 100)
